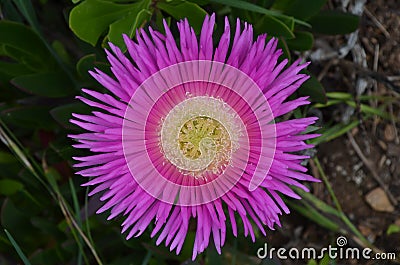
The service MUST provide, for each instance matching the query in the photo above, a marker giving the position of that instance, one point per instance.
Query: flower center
(199, 135)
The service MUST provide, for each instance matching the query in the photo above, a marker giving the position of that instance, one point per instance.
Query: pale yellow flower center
(200, 134)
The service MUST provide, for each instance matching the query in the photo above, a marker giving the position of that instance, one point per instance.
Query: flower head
(188, 132)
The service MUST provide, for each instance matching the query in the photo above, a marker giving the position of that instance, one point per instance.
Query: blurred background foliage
(46, 50)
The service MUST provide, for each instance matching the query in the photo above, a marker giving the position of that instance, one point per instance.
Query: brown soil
(378, 140)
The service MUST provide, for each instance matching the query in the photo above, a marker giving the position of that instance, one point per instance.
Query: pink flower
(188, 132)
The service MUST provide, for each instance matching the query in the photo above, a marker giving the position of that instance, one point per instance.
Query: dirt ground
(363, 165)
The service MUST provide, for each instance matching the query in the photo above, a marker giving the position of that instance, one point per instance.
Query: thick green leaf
(303, 41)
(30, 117)
(21, 37)
(89, 62)
(246, 5)
(334, 22)
(34, 64)
(45, 84)
(91, 18)
(85, 64)
(313, 88)
(10, 186)
(62, 114)
(301, 9)
(273, 26)
(10, 70)
(24, 45)
(184, 9)
(127, 25)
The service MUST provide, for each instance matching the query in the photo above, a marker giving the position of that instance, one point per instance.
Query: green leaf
(52, 177)
(30, 117)
(339, 95)
(273, 26)
(281, 5)
(21, 37)
(6, 158)
(393, 228)
(11, 70)
(46, 226)
(26, 8)
(301, 9)
(91, 18)
(246, 5)
(309, 212)
(213, 258)
(62, 114)
(198, 2)
(311, 129)
(288, 21)
(313, 88)
(22, 42)
(317, 203)
(10, 12)
(330, 102)
(34, 64)
(326, 260)
(89, 62)
(312, 262)
(285, 49)
(127, 25)
(370, 110)
(334, 132)
(10, 186)
(53, 255)
(17, 248)
(303, 41)
(184, 9)
(50, 85)
(62, 53)
(16, 221)
(85, 64)
(334, 22)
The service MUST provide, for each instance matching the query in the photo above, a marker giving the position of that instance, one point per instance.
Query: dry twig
(371, 168)
(377, 23)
